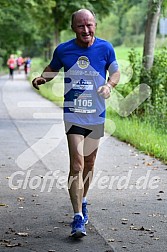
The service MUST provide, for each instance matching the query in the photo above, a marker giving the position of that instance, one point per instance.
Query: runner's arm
(112, 81)
(47, 75)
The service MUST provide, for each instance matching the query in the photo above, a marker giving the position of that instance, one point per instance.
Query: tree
(120, 8)
(30, 24)
(154, 9)
(22, 25)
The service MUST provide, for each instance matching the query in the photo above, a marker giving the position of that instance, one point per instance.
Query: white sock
(79, 214)
(84, 200)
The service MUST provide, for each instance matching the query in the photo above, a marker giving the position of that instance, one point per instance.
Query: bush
(1, 61)
(155, 108)
(134, 40)
(117, 40)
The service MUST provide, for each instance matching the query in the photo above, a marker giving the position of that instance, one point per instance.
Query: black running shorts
(93, 131)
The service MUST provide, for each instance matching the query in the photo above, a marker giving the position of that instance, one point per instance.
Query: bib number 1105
(83, 103)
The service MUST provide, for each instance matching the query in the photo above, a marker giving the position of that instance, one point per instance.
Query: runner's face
(84, 26)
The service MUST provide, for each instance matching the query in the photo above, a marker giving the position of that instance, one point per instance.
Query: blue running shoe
(85, 212)
(78, 227)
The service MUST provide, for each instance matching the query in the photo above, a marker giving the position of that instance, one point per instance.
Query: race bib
(84, 101)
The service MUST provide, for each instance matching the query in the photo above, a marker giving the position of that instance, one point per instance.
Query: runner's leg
(90, 152)
(75, 180)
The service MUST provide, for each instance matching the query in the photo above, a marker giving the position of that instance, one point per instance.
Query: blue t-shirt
(84, 72)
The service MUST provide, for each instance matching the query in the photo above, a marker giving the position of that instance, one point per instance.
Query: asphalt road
(127, 200)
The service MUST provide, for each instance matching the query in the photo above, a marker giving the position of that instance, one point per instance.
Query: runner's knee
(76, 166)
(89, 164)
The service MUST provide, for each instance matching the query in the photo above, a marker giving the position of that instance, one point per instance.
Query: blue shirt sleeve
(56, 63)
(112, 65)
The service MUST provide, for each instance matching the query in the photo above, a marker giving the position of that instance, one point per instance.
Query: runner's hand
(38, 81)
(104, 91)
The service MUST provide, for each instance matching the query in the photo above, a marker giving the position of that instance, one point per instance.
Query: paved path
(128, 198)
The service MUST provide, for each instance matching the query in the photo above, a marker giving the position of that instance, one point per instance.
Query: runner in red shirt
(11, 64)
(19, 63)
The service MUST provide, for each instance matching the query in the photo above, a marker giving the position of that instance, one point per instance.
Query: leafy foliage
(29, 25)
(21, 23)
(156, 78)
(64, 9)
(120, 8)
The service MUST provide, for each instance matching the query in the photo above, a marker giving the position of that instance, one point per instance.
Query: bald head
(82, 12)
(84, 26)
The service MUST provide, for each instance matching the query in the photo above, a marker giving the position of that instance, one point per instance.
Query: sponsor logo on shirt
(82, 84)
(83, 62)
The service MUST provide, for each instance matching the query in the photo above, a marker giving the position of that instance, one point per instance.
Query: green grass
(141, 134)
(4, 70)
(52, 90)
(122, 52)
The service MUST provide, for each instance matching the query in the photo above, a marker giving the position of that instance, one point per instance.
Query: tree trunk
(57, 21)
(57, 36)
(150, 32)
